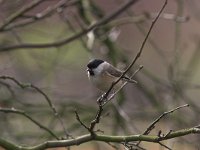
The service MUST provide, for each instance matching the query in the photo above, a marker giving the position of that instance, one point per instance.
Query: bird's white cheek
(88, 74)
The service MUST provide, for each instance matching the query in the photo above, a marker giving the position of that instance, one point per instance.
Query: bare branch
(20, 13)
(139, 52)
(79, 120)
(164, 146)
(23, 113)
(146, 16)
(103, 98)
(23, 86)
(152, 125)
(103, 21)
(41, 15)
(97, 137)
(132, 146)
(113, 95)
(96, 119)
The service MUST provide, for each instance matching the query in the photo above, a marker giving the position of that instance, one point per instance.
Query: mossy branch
(104, 138)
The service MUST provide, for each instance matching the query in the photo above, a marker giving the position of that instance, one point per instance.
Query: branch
(23, 86)
(102, 100)
(20, 13)
(138, 54)
(104, 138)
(41, 15)
(147, 16)
(115, 93)
(163, 145)
(152, 125)
(23, 113)
(103, 21)
(79, 120)
(97, 118)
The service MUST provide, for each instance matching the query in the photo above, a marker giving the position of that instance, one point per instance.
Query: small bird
(103, 75)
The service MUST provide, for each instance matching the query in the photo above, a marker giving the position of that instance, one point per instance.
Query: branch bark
(23, 113)
(20, 13)
(74, 37)
(97, 137)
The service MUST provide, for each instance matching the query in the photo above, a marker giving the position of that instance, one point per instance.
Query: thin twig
(23, 86)
(103, 21)
(41, 15)
(23, 113)
(152, 125)
(147, 16)
(117, 91)
(140, 50)
(20, 13)
(104, 97)
(97, 118)
(79, 120)
(8, 87)
(71, 26)
(132, 146)
(112, 145)
(164, 146)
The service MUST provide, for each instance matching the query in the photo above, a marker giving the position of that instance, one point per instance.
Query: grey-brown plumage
(103, 74)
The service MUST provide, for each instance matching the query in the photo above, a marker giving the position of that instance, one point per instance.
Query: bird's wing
(113, 71)
(117, 73)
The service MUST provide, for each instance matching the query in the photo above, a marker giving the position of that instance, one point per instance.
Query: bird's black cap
(94, 63)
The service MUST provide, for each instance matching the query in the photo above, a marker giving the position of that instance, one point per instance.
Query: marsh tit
(102, 75)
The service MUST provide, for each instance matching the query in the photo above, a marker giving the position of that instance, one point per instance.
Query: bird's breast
(104, 81)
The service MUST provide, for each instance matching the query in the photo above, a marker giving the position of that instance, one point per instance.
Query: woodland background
(170, 76)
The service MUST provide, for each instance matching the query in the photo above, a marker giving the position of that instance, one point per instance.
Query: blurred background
(170, 76)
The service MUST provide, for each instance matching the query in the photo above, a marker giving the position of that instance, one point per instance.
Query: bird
(102, 75)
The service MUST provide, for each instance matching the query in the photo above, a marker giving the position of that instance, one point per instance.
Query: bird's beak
(90, 72)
